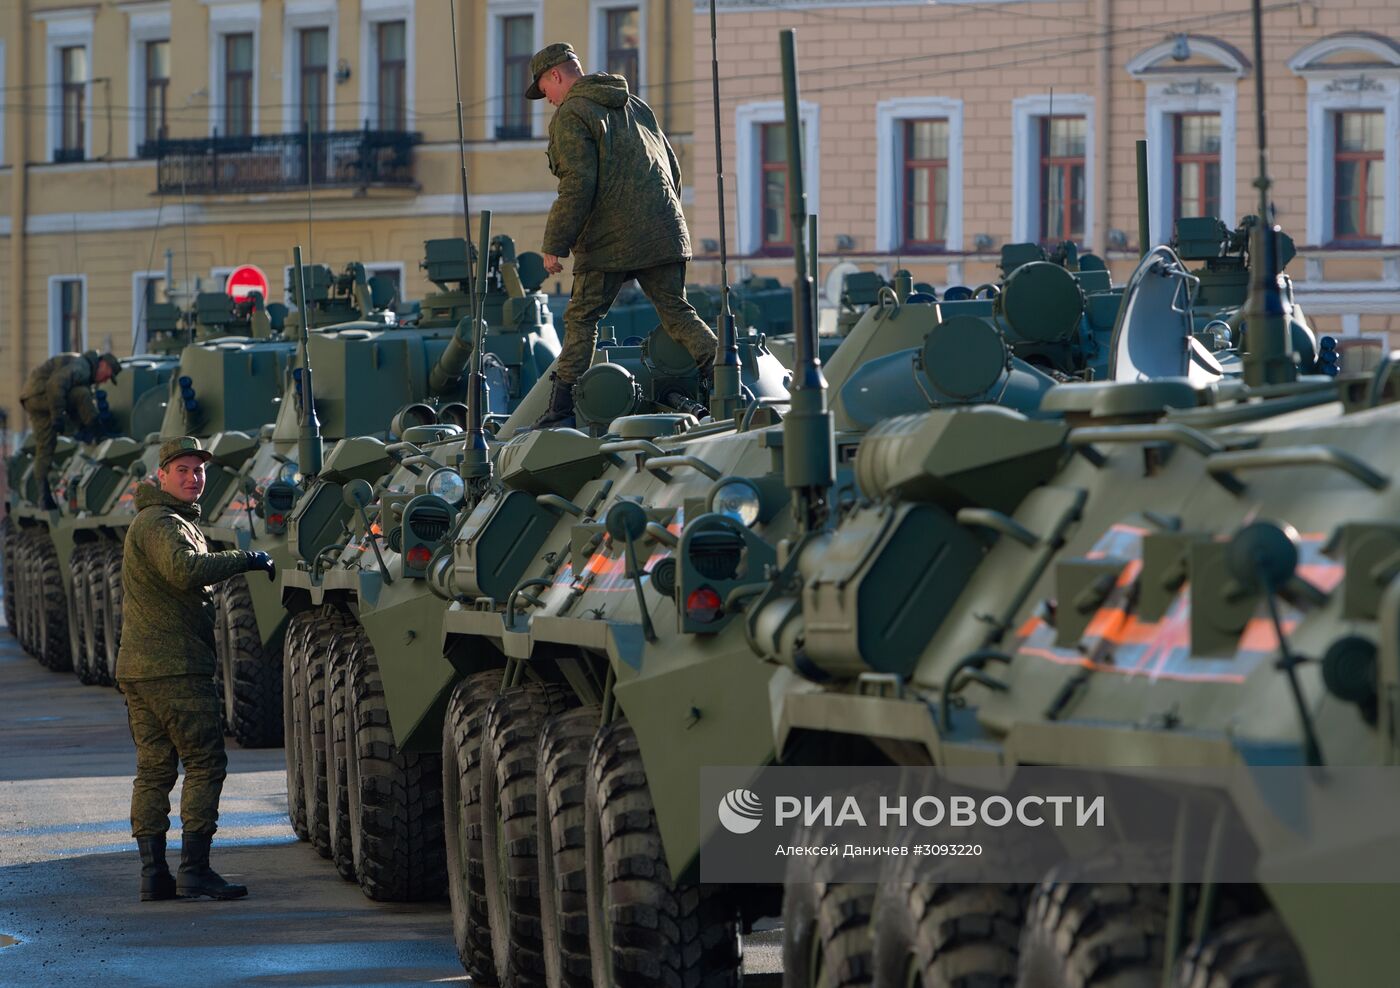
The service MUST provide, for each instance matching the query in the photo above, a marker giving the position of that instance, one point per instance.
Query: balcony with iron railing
(346, 159)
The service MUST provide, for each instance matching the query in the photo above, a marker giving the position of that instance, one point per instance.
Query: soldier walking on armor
(618, 213)
(165, 668)
(59, 387)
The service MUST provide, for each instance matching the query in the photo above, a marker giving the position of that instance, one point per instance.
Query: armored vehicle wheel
(310, 724)
(54, 650)
(112, 570)
(33, 598)
(510, 748)
(559, 784)
(462, 730)
(945, 935)
(94, 609)
(643, 928)
(252, 683)
(77, 616)
(1252, 952)
(24, 598)
(1081, 933)
(827, 941)
(337, 790)
(292, 691)
(7, 572)
(395, 797)
(21, 625)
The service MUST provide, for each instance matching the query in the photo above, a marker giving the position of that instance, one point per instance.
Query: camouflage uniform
(619, 214)
(60, 386)
(165, 665)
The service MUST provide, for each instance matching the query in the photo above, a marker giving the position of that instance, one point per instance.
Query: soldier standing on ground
(58, 388)
(618, 214)
(165, 668)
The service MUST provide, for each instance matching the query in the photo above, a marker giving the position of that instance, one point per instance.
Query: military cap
(545, 59)
(112, 361)
(173, 449)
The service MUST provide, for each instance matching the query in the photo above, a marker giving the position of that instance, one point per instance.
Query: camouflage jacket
(619, 205)
(61, 383)
(167, 606)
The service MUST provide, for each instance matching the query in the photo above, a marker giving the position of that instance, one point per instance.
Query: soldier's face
(104, 372)
(183, 478)
(555, 83)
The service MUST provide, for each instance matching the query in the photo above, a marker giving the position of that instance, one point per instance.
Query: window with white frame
(1190, 127)
(147, 289)
(1353, 132)
(514, 33)
(391, 271)
(67, 313)
(763, 193)
(68, 57)
(919, 175)
(233, 75)
(618, 29)
(309, 45)
(386, 76)
(1052, 163)
(148, 74)
(218, 278)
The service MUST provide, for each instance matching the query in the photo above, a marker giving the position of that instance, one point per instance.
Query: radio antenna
(726, 398)
(310, 243)
(476, 457)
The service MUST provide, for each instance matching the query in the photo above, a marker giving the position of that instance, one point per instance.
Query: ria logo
(741, 811)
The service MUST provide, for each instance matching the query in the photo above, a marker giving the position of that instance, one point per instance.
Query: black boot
(46, 500)
(196, 878)
(156, 880)
(560, 413)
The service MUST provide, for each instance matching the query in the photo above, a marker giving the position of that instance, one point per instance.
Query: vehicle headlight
(738, 499)
(447, 484)
(288, 472)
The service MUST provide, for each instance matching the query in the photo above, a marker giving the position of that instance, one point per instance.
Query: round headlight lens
(447, 484)
(738, 499)
(288, 472)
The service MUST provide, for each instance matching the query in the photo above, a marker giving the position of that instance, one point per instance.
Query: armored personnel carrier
(378, 381)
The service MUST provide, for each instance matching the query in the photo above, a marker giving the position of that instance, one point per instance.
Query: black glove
(262, 561)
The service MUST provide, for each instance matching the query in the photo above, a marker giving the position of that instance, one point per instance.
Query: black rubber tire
(1080, 933)
(644, 929)
(564, 745)
(22, 584)
(509, 760)
(78, 615)
(396, 803)
(293, 691)
(7, 572)
(337, 788)
(325, 631)
(54, 647)
(462, 731)
(112, 570)
(27, 600)
(1250, 952)
(252, 681)
(827, 941)
(951, 935)
(94, 606)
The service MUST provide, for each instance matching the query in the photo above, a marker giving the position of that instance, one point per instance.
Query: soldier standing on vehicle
(59, 387)
(618, 213)
(165, 667)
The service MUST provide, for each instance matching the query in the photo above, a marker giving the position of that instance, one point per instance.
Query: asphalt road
(69, 912)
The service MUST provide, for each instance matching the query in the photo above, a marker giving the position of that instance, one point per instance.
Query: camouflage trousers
(593, 294)
(175, 719)
(45, 431)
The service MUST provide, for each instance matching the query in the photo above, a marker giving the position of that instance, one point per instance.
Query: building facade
(935, 133)
(129, 129)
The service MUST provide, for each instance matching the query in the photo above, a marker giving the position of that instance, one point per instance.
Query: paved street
(69, 913)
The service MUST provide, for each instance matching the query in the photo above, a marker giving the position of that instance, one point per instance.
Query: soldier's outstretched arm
(181, 563)
(81, 400)
(574, 157)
